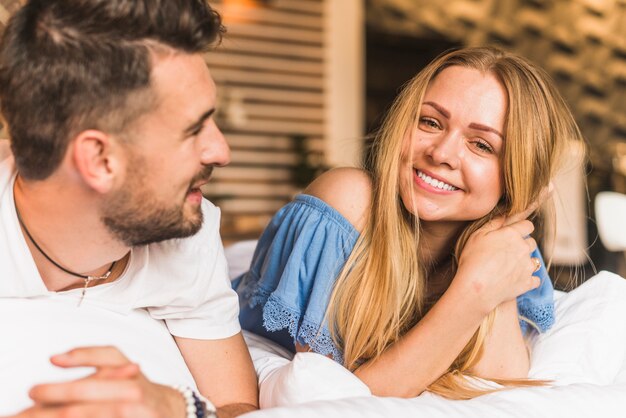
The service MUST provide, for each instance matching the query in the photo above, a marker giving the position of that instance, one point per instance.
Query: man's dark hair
(71, 65)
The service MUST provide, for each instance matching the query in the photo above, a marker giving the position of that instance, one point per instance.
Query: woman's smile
(432, 183)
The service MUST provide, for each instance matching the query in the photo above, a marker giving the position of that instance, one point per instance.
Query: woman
(398, 272)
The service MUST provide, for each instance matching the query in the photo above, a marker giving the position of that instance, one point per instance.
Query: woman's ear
(95, 159)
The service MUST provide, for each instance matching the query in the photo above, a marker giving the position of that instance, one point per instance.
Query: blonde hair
(380, 293)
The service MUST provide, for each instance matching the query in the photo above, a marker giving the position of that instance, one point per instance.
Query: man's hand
(117, 389)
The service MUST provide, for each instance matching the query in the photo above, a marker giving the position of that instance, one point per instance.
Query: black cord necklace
(86, 278)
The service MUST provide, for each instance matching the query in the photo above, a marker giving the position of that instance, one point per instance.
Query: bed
(584, 354)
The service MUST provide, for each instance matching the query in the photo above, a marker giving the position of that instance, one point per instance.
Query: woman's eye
(429, 123)
(483, 146)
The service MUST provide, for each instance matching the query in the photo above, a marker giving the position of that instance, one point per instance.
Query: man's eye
(196, 131)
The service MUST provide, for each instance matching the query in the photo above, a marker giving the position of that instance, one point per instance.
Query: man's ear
(95, 159)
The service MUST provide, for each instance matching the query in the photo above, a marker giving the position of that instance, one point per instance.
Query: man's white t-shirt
(181, 281)
(177, 287)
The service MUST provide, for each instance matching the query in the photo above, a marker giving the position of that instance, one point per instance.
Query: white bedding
(584, 354)
(33, 330)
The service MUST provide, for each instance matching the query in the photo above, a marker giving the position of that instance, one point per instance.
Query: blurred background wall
(302, 84)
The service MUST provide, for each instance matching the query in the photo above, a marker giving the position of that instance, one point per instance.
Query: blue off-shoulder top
(285, 294)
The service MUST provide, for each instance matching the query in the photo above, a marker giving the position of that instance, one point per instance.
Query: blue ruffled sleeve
(536, 307)
(285, 294)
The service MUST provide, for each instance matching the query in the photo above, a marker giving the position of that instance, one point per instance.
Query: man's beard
(134, 216)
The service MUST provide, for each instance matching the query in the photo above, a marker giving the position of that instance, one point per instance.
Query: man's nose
(215, 149)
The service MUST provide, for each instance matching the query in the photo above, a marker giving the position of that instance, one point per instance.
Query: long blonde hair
(380, 293)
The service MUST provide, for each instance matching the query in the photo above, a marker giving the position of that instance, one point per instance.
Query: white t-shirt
(181, 281)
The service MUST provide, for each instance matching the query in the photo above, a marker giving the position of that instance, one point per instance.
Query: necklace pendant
(103, 277)
(88, 279)
(82, 295)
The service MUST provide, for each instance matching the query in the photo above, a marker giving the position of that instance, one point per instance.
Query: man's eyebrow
(485, 128)
(194, 127)
(439, 109)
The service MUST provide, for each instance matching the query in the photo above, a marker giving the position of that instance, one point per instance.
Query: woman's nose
(446, 149)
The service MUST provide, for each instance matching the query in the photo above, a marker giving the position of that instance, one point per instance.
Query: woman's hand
(495, 263)
(117, 389)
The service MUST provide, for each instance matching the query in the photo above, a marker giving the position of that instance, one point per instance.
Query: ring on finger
(536, 262)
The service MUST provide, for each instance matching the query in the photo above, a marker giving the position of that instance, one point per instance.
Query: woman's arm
(423, 354)
(505, 354)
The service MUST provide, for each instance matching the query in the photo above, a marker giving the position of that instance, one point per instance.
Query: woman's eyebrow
(472, 125)
(439, 109)
(485, 128)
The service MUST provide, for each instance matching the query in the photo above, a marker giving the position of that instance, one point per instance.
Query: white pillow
(305, 378)
(587, 344)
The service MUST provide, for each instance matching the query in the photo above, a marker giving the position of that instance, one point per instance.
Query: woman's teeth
(436, 183)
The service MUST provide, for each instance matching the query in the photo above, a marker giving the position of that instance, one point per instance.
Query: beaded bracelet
(196, 406)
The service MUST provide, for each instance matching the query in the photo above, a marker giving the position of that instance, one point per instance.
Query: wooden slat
(618, 70)
(286, 35)
(594, 27)
(267, 142)
(316, 145)
(268, 16)
(303, 113)
(284, 95)
(312, 7)
(594, 107)
(259, 141)
(282, 127)
(564, 64)
(232, 76)
(315, 7)
(265, 158)
(264, 63)
(253, 174)
(282, 191)
(243, 206)
(271, 47)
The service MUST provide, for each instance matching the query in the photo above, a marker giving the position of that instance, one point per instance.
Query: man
(109, 106)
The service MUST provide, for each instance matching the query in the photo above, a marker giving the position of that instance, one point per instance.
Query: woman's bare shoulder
(348, 190)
